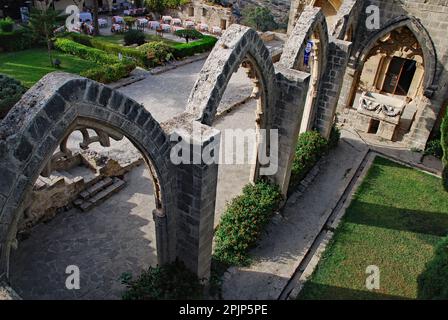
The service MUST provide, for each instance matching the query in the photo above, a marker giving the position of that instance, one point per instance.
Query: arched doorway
(392, 77)
(43, 120)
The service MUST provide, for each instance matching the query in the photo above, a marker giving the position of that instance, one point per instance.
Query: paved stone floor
(114, 237)
(295, 228)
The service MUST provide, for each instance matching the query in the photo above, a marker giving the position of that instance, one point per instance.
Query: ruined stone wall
(429, 22)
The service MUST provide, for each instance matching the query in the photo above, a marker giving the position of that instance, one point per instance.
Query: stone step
(97, 187)
(116, 186)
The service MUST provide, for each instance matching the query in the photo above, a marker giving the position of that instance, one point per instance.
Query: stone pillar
(331, 86)
(162, 238)
(293, 86)
(197, 182)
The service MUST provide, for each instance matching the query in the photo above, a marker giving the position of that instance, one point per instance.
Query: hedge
(110, 68)
(433, 282)
(243, 221)
(169, 282)
(136, 55)
(182, 50)
(85, 52)
(311, 146)
(11, 91)
(16, 40)
(109, 73)
(444, 142)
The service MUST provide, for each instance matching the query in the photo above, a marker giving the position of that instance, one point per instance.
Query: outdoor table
(126, 12)
(116, 27)
(189, 24)
(102, 22)
(142, 22)
(176, 28)
(165, 27)
(176, 22)
(216, 30)
(167, 19)
(203, 27)
(154, 24)
(85, 16)
(117, 19)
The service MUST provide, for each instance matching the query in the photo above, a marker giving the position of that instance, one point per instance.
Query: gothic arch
(237, 44)
(312, 23)
(43, 118)
(422, 36)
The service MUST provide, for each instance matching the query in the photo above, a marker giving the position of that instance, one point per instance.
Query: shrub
(335, 136)
(131, 53)
(189, 34)
(182, 50)
(158, 52)
(6, 24)
(85, 52)
(433, 282)
(134, 37)
(434, 148)
(109, 73)
(16, 40)
(311, 146)
(243, 221)
(169, 282)
(11, 91)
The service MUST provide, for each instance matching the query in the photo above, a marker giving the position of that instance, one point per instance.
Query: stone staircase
(98, 192)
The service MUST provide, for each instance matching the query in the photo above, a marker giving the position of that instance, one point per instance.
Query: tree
(259, 18)
(159, 6)
(96, 26)
(43, 21)
(188, 34)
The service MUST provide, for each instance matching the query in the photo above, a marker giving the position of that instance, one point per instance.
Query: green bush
(434, 148)
(335, 136)
(243, 221)
(169, 282)
(115, 49)
(11, 91)
(157, 52)
(85, 52)
(134, 37)
(109, 73)
(16, 40)
(182, 50)
(311, 146)
(433, 282)
(6, 24)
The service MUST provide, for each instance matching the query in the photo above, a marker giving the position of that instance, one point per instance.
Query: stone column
(197, 182)
(162, 238)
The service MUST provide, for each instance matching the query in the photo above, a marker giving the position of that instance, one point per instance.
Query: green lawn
(395, 220)
(30, 66)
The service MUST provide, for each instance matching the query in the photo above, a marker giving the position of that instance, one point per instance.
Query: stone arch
(346, 21)
(423, 38)
(311, 24)
(237, 43)
(42, 119)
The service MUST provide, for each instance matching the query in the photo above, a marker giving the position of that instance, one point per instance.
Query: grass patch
(31, 65)
(396, 219)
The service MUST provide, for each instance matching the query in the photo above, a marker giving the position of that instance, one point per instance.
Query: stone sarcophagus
(379, 114)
